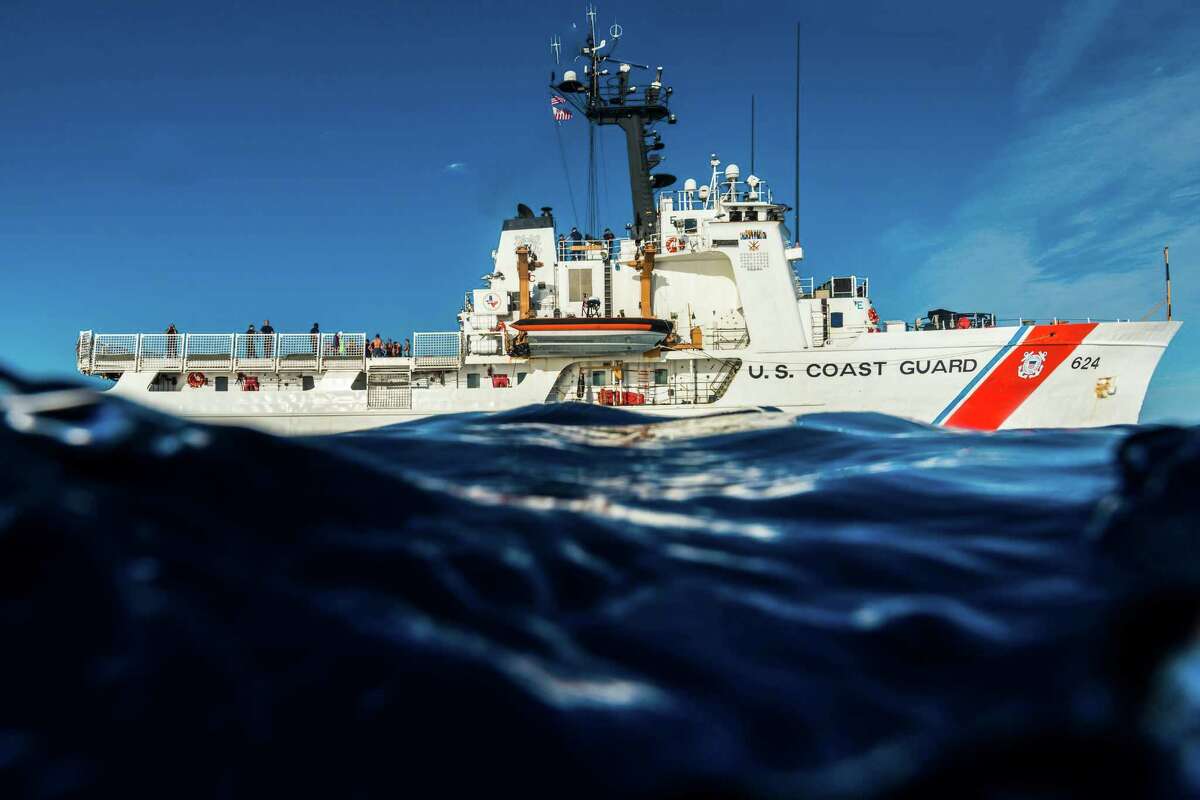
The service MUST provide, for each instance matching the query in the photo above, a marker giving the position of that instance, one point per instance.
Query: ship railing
(209, 351)
(254, 352)
(725, 338)
(83, 352)
(115, 352)
(343, 350)
(681, 391)
(993, 321)
(803, 286)
(590, 249)
(839, 287)
(648, 391)
(161, 352)
(438, 349)
(691, 199)
(218, 352)
(298, 352)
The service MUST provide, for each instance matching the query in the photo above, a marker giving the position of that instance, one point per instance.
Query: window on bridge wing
(835, 319)
(691, 225)
(579, 282)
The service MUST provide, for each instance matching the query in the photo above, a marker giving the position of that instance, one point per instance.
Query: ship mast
(606, 94)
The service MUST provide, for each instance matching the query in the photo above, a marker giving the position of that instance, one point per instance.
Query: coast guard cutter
(698, 309)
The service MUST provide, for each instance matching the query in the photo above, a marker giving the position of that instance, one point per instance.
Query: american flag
(560, 114)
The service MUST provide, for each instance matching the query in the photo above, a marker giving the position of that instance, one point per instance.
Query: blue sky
(214, 164)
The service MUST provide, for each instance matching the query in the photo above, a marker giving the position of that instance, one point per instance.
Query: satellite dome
(732, 173)
(570, 82)
(703, 192)
(689, 185)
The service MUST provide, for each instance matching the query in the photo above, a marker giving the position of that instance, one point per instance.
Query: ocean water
(586, 602)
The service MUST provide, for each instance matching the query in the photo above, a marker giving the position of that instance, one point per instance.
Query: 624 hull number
(1085, 362)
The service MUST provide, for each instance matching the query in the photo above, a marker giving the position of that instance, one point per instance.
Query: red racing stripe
(1002, 392)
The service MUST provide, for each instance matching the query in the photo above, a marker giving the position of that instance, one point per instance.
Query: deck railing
(115, 352)
(209, 351)
(725, 338)
(161, 352)
(437, 349)
(589, 249)
(219, 352)
(992, 321)
(298, 352)
(83, 351)
(343, 350)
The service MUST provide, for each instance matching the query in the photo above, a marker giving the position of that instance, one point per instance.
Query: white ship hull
(987, 379)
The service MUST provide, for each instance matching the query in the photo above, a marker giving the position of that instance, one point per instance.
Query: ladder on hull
(820, 325)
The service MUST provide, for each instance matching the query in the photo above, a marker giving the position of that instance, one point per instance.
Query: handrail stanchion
(137, 358)
(275, 352)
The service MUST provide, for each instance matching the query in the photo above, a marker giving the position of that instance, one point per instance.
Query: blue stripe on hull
(983, 373)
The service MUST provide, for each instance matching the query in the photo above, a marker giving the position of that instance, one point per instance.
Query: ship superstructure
(698, 308)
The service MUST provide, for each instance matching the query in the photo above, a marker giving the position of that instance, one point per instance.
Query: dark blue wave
(590, 602)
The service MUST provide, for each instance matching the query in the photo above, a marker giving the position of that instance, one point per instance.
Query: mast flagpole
(1167, 266)
(752, 134)
(796, 188)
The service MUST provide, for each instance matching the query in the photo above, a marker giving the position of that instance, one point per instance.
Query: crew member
(608, 244)
(268, 339)
(576, 242)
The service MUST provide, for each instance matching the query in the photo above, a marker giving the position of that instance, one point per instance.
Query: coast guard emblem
(1031, 365)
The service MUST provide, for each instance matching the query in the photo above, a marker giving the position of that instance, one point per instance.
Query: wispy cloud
(1070, 218)
(456, 166)
(1062, 45)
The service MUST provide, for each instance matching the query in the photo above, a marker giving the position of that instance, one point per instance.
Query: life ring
(673, 245)
(196, 379)
(873, 315)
